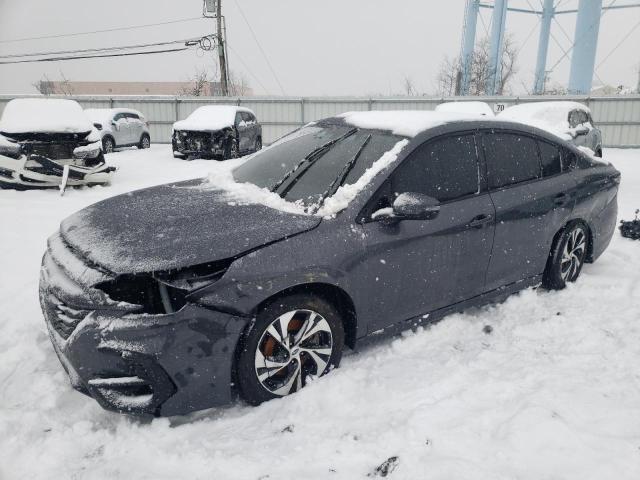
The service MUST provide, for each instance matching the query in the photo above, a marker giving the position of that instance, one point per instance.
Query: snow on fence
(617, 116)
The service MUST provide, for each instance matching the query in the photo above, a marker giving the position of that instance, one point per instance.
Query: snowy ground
(552, 393)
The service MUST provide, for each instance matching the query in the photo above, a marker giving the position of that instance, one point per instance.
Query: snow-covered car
(175, 298)
(222, 131)
(47, 143)
(470, 107)
(571, 121)
(120, 127)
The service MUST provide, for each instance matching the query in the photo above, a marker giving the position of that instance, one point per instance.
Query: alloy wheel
(146, 143)
(234, 150)
(573, 255)
(297, 344)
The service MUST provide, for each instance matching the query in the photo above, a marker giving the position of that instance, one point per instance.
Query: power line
(117, 29)
(624, 39)
(101, 49)
(259, 46)
(83, 57)
(248, 69)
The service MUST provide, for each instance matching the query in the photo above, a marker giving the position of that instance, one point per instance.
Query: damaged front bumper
(35, 171)
(132, 362)
(198, 143)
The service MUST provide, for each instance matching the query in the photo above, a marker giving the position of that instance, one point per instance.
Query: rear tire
(567, 257)
(271, 365)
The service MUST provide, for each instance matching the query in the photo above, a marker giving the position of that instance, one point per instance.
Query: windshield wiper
(344, 173)
(306, 163)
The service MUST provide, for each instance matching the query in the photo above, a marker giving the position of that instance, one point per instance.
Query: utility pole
(222, 57)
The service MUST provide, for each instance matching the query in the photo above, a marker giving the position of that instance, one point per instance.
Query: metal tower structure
(585, 42)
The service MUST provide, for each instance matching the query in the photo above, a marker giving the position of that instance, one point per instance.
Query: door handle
(561, 199)
(480, 221)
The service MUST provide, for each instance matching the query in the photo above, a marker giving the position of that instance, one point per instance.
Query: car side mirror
(409, 206)
(581, 130)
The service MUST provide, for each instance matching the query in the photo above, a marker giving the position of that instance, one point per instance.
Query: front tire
(145, 142)
(293, 338)
(231, 149)
(567, 257)
(258, 145)
(108, 145)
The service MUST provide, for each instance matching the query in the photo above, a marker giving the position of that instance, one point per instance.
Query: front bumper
(162, 365)
(198, 143)
(41, 172)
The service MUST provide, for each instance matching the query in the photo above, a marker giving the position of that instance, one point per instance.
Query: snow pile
(550, 390)
(479, 108)
(346, 193)
(550, 116)
(44, 115)
(408, 123)
(210, 118)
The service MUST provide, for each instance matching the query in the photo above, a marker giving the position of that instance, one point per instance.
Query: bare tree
(409, 88)
(199, 84)
(238, 85)
(47, 87)
(448, 77)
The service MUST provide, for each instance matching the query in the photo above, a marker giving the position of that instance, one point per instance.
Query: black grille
(65, 319)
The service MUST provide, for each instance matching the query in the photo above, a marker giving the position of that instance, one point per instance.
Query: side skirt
(494, 296)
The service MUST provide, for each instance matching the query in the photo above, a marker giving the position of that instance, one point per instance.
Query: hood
(39, 116)
(174, 226)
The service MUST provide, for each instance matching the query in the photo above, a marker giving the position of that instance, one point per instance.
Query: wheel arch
(333, 294)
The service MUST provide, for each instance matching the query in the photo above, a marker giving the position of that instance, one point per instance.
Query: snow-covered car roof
(550, 116)
(44, 115)
(408, 123)
(104, 115)
(481, 108)
(210, 117)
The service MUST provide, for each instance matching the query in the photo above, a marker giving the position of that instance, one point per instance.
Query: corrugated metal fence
(618, 117)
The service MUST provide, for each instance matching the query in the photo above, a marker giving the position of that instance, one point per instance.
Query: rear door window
(550, 159)
(445, 169)
(511, 159)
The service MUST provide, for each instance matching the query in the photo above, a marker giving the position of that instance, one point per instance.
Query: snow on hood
(210, 118)
(173, 226)
(550, 116)
(408, 123)
(480, 108)
(44, 115)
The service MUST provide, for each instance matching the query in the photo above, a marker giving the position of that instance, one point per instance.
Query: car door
(252, 129)
(241, 129)
(529, 208)
(120, 126)
(135, 128)
(417, 266)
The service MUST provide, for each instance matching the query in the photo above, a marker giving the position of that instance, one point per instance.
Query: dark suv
(174, 298)
(217, 131)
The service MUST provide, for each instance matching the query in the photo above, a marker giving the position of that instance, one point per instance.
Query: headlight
(193, 278)
(88, 151)
(10, 149)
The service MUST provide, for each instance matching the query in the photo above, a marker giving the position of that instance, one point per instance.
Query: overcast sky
(328, 47)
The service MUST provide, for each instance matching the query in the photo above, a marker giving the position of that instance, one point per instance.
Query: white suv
(120, 127)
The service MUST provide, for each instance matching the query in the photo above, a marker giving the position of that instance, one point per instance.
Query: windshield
(311, 163)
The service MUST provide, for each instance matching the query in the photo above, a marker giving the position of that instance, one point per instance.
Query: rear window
(511, 159)
(550, 159)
